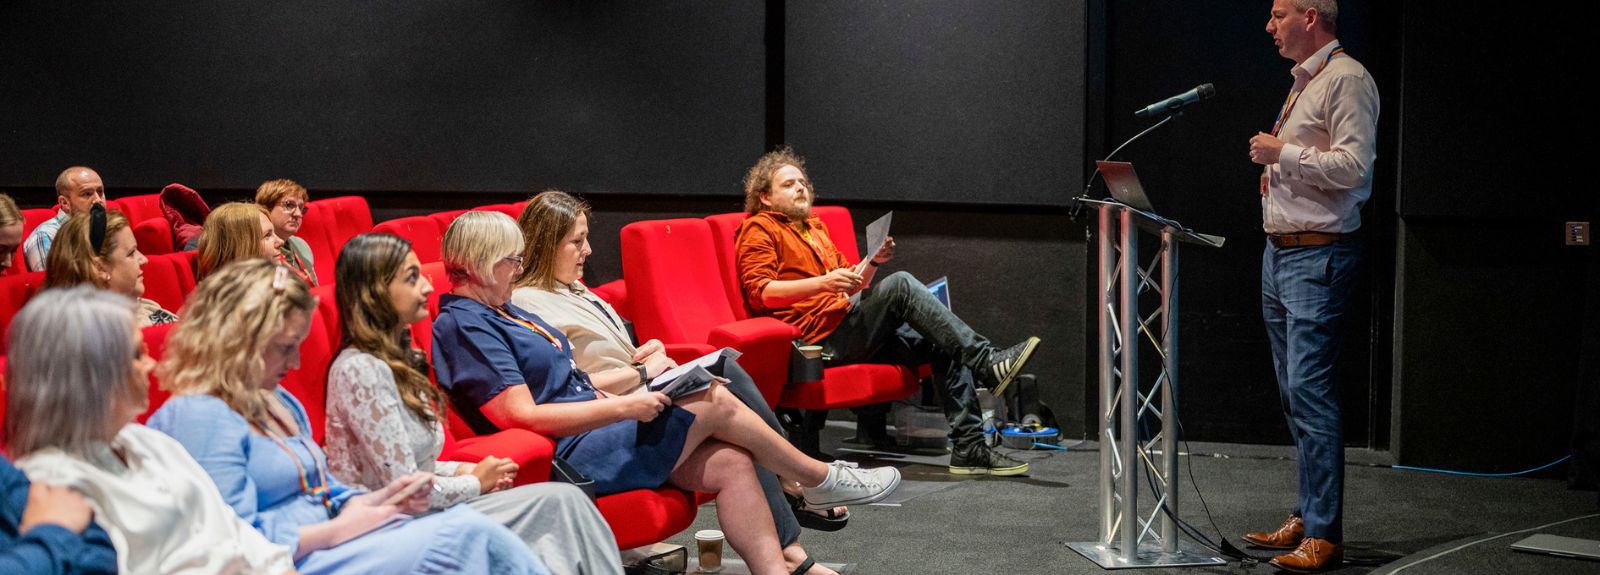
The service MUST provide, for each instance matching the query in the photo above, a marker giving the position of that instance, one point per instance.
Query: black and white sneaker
(1004, 365)
(980, 459)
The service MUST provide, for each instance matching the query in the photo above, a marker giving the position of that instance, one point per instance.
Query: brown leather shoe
(1286, 537)
(1312, 556)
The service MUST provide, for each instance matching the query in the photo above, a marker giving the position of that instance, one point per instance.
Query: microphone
(1175, 103)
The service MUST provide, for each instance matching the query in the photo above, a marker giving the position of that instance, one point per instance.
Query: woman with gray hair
(506, 367)
(75, 351)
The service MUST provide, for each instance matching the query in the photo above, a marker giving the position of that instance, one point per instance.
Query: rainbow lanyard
(1294, 95)
(321, 489)
(531, 327)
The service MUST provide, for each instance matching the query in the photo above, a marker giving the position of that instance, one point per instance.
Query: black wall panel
(432, 96)
(968, 102)
(1496, 115)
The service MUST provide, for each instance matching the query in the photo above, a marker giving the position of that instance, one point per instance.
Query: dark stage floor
(938, 523)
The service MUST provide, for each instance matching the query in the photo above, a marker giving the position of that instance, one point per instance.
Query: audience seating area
(681, 286)
(637, 517)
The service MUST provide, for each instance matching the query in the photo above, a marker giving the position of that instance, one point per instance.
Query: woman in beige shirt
(556, 227)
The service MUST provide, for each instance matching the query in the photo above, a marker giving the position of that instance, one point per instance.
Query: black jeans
(900, 322)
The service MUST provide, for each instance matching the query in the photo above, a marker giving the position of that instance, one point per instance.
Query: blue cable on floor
(1449, 472)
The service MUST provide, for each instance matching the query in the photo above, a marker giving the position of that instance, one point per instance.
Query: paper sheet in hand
(877, 234)
(692, 377)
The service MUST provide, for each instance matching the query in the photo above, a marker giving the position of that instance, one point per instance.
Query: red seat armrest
(765, 343)
(531, 451)
(682, 352)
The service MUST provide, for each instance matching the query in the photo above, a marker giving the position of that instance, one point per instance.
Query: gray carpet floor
(948, 524)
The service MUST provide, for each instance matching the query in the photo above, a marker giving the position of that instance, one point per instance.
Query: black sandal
(825, 520)
(804, 567)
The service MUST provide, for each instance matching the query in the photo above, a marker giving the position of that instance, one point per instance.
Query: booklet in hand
(694, 376)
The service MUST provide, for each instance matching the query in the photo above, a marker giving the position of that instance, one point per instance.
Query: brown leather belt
(1305, 239)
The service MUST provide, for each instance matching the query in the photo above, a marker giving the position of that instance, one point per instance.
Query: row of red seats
(136, 208)
(637, 517)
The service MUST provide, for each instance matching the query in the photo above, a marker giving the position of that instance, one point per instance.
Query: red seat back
(154, 237)
(841, 229)
(138, 208)
(724, 235)
(424, 233)
(328, 306)
(441, 283)
(328, 224)
(445, 218)
(513, 210)
(15, 290)
(674, 284)
(169, 278)
(309, 383)
(155, 340)
(30, 220)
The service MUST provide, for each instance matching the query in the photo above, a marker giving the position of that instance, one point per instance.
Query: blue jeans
(1305, 293)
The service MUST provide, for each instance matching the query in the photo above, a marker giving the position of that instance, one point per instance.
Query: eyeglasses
(515, 260)
(292, 206)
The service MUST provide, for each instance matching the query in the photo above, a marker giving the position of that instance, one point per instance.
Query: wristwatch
(644, 374)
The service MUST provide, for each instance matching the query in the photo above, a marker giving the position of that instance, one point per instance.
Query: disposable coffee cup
(811, 351)
(710, 544)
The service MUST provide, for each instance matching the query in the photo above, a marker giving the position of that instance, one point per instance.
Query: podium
(1131, 537)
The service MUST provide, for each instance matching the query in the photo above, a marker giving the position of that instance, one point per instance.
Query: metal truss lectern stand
(1131, 537)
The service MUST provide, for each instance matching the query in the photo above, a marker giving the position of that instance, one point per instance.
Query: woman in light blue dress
(240, 334)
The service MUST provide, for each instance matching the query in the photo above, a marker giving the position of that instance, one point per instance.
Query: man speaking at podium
(1318, 173)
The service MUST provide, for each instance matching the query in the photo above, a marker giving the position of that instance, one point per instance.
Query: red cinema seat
(138, 208)
(328, 306)
(309, 382)
(15, 290)
(30, 219)
(724, 231)
(155, 341)
(513, 210)
(169, 279)
(424, 233)
(328, 224)
(154, 237)
(445, 218)
(675, 291)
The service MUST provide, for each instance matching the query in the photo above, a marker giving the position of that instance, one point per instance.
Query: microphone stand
(1075, 207)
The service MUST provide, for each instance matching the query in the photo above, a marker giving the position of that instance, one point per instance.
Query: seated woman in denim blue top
(43, 529)
(504, 367)
(240, 333)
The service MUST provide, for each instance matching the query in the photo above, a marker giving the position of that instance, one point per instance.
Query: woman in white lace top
(385, 419)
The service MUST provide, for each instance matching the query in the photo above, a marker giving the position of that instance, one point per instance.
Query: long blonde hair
(368, 322)
(232, 233)
(227, 323)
